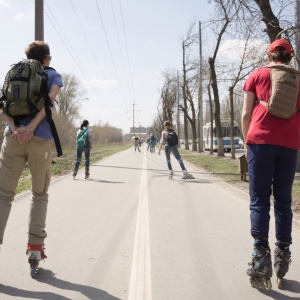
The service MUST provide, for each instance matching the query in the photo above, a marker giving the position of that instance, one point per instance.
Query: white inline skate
(171, 175)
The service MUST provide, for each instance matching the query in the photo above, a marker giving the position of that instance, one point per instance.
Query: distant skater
(169, 138)
(83, 144)
(136, 143)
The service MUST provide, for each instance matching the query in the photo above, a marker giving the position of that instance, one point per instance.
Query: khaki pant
(13, 158)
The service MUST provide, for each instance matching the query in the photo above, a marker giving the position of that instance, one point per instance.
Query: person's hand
(22, 134)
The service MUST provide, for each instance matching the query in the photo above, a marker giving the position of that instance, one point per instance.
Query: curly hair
(37, 50)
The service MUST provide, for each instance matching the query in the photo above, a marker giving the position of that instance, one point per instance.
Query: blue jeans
(271, 169)
(79, 150)
(174, 150)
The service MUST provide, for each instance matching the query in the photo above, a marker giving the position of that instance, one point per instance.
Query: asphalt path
(128, 232)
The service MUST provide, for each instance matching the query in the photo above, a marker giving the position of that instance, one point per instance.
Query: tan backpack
(284, 91)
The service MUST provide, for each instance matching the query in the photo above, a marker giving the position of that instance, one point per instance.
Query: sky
(117, 49)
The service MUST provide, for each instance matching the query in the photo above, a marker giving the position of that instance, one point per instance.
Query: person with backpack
(152, 142)
(28, 140)
(83, 144)
(272, 143)
(169, 138)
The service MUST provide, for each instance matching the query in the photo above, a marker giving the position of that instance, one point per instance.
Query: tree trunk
(231, 123)
(214, 86)
(271, 21)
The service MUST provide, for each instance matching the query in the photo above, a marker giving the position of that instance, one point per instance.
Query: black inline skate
(282, 261)
(260, 270)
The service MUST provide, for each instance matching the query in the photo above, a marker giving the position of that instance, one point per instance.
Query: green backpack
(24, 89)
(82, 137)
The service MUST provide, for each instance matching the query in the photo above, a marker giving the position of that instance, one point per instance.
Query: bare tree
(223, 8)
(250, 57)
(168, 95)
(70, 96)
(190, 70)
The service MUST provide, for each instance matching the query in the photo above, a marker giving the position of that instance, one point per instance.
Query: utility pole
(133, 117)
(200, 97)
(178, 119)
(39, 20)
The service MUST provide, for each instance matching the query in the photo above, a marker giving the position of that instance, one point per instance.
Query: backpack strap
(48, 104)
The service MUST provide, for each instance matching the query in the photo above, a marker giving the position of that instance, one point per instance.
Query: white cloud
(19, 16)
(231, 50)
(5, 4)
(100, 83)
(148, 43)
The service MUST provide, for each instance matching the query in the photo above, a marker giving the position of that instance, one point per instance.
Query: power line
(112, 8)
(126, 49)
(77, 60)
(110, 52)
(90, 46)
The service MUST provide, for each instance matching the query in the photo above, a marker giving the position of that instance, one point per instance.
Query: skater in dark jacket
(170, 140)
(83, 144)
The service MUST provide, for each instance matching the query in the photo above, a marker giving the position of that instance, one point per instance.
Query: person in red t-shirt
(272, 144)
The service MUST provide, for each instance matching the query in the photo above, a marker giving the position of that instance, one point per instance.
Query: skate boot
(282, 261)
(171, 175)
(74, 174)
(87, 174)
(260, 270)
(35, 254)
(187, 176)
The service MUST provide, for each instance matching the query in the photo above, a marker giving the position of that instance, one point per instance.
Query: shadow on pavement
(15, 292)
(99, 180)
(48, 277)
(288, 285)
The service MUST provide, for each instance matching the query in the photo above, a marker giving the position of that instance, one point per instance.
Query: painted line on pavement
(140, 279)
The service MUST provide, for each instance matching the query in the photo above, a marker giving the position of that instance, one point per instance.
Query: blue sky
(118, 62)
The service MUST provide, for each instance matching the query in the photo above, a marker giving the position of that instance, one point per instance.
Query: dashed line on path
(140, 279)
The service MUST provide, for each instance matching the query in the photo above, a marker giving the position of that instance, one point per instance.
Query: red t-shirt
(265, 128)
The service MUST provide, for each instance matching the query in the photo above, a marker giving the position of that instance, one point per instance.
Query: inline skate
(260, 270)
(282, 261)
(35, 254)
(187, 176)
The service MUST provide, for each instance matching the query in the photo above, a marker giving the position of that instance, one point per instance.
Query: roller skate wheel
(33, 270)
(170, 177)
(268, 284)
(279, 283)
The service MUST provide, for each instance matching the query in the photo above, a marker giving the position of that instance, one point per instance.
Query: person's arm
(248, 105)
(90, 138)
(162, 140)
(25, 133)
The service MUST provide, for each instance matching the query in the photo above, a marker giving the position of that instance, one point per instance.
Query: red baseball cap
(282, 43)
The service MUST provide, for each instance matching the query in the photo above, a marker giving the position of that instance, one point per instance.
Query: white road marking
(140, 279)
